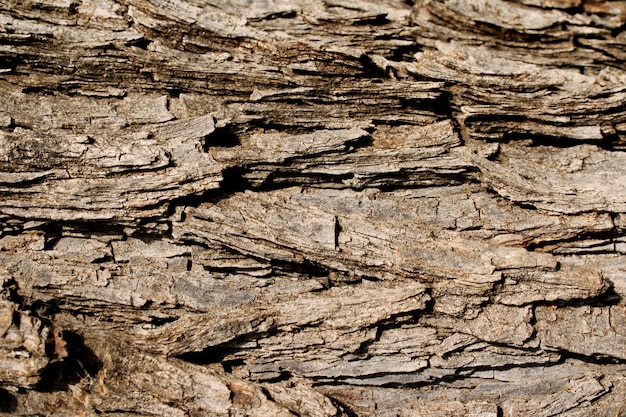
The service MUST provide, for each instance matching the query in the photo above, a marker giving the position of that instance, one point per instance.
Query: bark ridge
(312, 208)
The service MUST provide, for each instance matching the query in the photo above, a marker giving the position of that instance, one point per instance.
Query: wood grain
(312, 208)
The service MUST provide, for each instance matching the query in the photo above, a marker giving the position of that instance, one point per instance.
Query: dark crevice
(228, 366)
(151, 230)
(268, 395)
(232, 182)
(230, 270)
(9, 63)
(525, 206)
(44, 308)
(572, 10)
(53, 233)
(8, 401)
(174, 92)
(608, 298)
(161, 321)
(114, 412)
(605, 143)
(587, 251)
(440, 105)
(378, 20)
(372, 69)
(502, 345)
(618, 30)
(405, 53)
(410, 181)
(80, 364)
(338, 231)
(103, 260)
(11, 289)
(597, 359)
(504, 127)
(218, 353)
(607, 236)
(222, 137)
(40, 90)
(306, 267)
(141, 43)
(287, 14)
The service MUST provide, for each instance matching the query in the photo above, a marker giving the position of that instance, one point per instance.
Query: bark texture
(313, 208)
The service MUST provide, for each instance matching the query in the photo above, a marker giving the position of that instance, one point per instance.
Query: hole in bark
(44, 308)
(142, 43)
(405, 53)
(8, 402)
(615, 32)
(440, 105)
(224, 137)
(10, 285)
(53, 233)
(174, 92)
(80, 364)
(10, 63)
(371, 68)
(233, 181)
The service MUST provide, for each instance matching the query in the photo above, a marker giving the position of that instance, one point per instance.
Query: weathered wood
(318, 208)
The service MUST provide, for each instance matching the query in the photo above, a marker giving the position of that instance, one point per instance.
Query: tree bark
(313, 208)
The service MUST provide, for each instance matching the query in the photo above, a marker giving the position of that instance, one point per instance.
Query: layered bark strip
(313, 208)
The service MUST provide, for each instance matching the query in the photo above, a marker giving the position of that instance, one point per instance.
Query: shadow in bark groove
(222, 137)
(81, 363)
(8, 402)
(218, 353)
(597, 359)
(608, 298)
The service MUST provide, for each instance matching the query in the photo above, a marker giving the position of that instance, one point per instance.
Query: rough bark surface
(313, 208)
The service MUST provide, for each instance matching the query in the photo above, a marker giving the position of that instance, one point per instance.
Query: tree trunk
(313, 208)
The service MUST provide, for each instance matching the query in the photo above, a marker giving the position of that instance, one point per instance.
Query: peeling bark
(320, 208)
